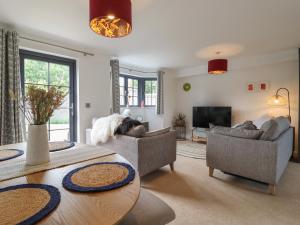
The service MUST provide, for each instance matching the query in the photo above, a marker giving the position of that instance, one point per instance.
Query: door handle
(72, 109)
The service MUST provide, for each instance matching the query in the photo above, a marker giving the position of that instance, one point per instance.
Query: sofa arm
(255, 159)
(156, 152)
(285, 146)
(125, 146)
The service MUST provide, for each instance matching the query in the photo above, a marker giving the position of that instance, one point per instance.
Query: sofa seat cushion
(157, 132)
(237, 132)
(273, 128)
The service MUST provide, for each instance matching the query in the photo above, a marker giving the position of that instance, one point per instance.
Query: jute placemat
(60, 145)
(99, 177)
(17, 167)
(7, 154)
(27, 203)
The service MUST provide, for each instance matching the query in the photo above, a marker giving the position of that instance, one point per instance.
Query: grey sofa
(259, 160)
(146, 154)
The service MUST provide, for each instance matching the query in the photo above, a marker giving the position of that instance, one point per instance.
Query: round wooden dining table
(85, 208)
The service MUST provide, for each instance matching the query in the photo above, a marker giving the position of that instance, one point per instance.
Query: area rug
(27, 203)
(98, 177)
(191, 149)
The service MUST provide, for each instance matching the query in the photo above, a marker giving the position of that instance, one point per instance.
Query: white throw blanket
(105, 127)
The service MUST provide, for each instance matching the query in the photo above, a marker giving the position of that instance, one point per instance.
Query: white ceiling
(169, 33)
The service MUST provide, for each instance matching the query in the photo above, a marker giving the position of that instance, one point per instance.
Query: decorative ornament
(187, 87)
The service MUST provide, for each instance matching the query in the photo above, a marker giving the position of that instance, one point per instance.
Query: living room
(169, 112)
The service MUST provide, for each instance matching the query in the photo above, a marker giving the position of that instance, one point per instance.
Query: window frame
(26, 54)
(141, 89)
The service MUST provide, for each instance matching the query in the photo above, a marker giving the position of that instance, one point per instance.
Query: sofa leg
(272, 189)
(172, 166)
(211, 171)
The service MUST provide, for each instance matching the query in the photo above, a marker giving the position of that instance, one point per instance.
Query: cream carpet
(191, 149)
(189, 196)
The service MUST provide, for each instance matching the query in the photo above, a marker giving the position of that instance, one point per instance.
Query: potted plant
(38, 106)
(179, 120)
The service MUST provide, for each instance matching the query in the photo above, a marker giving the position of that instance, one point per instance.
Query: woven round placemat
(27, 203)
(7, 154)
(98, 177)
(60, 145)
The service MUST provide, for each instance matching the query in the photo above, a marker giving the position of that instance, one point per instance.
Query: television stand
(199, 138)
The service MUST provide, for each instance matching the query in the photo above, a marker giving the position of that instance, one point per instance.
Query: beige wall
(230, 90)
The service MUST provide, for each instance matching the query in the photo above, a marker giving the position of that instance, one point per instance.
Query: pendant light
(217, 66)
(111, 18)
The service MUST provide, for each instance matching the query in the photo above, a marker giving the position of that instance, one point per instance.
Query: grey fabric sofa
(146, 154)
(259, 160)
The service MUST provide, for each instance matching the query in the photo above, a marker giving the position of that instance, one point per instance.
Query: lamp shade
(277, 100)
(217, 66)
(111, 18)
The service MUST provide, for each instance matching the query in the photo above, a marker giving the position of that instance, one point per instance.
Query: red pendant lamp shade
(217, 66)
(111, 18)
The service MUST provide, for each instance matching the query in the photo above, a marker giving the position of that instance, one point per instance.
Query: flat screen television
(218, 116)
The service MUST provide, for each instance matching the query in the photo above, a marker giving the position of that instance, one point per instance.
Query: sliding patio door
(45, 71)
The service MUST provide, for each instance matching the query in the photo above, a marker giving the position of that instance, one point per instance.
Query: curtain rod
(59, 46)
(135, 70)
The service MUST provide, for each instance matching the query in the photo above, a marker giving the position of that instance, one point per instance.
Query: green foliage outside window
(150, 86)
(36, 72)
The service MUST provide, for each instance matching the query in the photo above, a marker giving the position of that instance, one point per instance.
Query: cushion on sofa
(138, 131)
(157, 132)
(237, 132)
(273, 128)
(269, 127)
(261, 120)
(248, 125)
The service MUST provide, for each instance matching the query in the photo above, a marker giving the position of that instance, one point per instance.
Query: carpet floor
(189, 196)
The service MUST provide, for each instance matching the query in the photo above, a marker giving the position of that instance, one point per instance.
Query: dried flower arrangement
(39, 104)
(179, 120)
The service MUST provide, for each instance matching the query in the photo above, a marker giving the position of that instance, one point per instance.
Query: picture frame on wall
(251, 87)
(263, 86)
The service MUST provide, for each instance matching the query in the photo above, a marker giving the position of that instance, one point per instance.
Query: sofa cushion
(248, 125)
(157, 132)
(237, 132)
(126, 125)
(261, 120)
(273, 128)
(269, 127)
(138, 131)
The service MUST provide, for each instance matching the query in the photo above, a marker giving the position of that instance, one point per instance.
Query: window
(122, 91)
(135, 90)
(45, 71)
(150, 92)
(132, 91)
